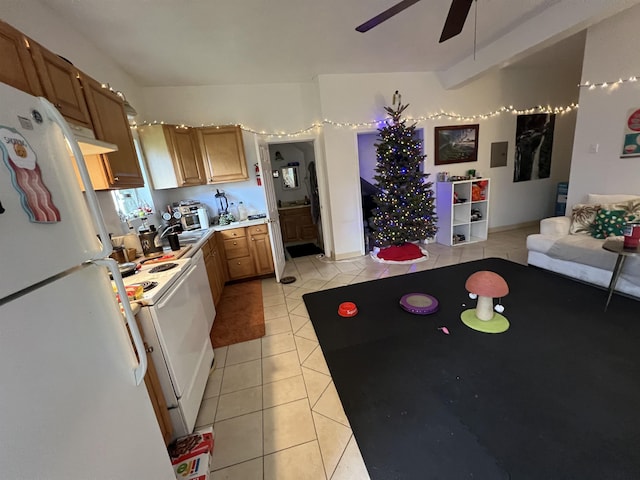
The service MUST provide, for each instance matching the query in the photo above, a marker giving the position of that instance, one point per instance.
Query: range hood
(89, 144)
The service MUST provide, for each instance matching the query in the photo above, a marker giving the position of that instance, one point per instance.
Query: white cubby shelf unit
(463, 211)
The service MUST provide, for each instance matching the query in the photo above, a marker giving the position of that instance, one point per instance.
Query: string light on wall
(375, 123)
(612, 84)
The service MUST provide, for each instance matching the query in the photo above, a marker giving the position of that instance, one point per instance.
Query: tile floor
(275, 410)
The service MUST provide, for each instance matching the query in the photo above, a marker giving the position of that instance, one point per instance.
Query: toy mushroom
(487, 286)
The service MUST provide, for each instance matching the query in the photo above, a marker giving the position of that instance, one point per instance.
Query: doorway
(296, 190)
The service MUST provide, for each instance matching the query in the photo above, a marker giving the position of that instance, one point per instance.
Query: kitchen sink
(191, 236)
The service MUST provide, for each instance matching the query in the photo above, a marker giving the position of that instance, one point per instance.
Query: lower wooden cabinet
(260, 248)
(247, 251)
(152, 382)
(216, 271)
(297, 224)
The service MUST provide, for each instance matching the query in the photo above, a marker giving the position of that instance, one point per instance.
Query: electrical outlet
(594, 147)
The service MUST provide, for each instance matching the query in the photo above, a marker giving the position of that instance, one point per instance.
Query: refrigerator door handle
(141, 369)
(92, 199)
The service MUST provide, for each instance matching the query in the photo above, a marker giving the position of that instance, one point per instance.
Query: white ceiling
(208, 42)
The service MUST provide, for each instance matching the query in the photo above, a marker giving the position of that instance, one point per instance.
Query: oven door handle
(141, 369)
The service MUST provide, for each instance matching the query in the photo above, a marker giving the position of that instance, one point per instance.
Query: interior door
(273, 217)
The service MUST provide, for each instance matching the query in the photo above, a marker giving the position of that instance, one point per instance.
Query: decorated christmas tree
(405, 203)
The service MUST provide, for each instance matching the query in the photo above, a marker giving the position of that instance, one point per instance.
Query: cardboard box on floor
(191, 455)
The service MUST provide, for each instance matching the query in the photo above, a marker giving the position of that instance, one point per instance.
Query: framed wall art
(456, 144)
(534, 142)
(631, 146)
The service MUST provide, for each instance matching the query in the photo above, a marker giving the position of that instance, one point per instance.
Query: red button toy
(347, 309)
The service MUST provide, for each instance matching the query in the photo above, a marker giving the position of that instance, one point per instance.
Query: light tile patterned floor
(275, 410)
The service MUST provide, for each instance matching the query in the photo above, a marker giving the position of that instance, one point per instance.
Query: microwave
(194, 216)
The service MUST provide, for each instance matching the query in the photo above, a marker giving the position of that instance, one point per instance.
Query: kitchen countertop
(290, 207)
(217, 228)
(167, 252)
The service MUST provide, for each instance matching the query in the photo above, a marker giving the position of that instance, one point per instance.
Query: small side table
(617, 246)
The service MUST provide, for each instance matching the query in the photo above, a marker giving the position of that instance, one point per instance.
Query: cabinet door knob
(239, 263)
(116, 179)
(235, 243)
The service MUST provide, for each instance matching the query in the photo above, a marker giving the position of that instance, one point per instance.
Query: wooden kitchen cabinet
(159, 403)
(215, 268)
(59, 80)
(222, 152)
(247, 251)
(173, 156)
(110, 124)
(16, 63)
(260, 247)
(236, 249)
(297, 224)
(90, 109)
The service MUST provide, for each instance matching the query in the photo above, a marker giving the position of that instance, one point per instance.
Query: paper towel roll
(131, 240)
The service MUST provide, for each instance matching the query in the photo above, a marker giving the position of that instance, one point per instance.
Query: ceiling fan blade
(386, 15)
(455, 19)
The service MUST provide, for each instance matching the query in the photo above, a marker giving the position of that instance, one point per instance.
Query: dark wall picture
(534, 141)
(456, 144)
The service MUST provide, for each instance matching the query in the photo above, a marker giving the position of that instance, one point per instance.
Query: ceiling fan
(452, 26)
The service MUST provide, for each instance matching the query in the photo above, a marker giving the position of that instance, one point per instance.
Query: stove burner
(146, 286)
(163, 267)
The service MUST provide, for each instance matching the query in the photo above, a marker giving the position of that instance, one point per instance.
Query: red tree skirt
(400, 253)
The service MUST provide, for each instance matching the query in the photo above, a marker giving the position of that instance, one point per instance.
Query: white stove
(176, 320)
(157, 278)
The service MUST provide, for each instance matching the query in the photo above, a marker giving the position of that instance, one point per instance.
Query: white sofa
(579, 255)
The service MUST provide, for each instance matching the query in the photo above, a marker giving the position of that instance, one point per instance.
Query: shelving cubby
(463, 211)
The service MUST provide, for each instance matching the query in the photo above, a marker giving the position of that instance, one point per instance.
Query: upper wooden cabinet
(59, 79)
(16, 65)
(172, 155)
(110, 124)
(185, 156)
(223, 154)
(28, 66)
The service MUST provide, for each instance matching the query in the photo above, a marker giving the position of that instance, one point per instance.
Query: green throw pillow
(610, 223)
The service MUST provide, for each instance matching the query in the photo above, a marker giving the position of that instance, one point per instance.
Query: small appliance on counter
(148, 241)
(192, 214)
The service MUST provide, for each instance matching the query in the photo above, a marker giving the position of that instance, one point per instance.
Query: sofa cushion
(609, 223)
(630, 207)
(610, 198)
(582, 218)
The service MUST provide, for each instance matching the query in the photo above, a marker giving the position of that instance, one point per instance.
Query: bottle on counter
(233, 212)
(242, 212)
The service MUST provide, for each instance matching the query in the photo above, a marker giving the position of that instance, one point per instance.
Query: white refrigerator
(73, 404)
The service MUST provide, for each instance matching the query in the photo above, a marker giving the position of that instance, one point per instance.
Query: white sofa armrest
(555, 226)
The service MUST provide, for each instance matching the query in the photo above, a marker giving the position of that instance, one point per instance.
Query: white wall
(355, 98)
(361, 98)
(611, 53)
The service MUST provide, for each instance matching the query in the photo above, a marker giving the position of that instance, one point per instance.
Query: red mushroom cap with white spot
(487, 284)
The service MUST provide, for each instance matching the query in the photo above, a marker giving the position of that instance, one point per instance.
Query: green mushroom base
(498, 324)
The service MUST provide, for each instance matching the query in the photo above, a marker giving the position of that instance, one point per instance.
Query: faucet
(168, 230)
